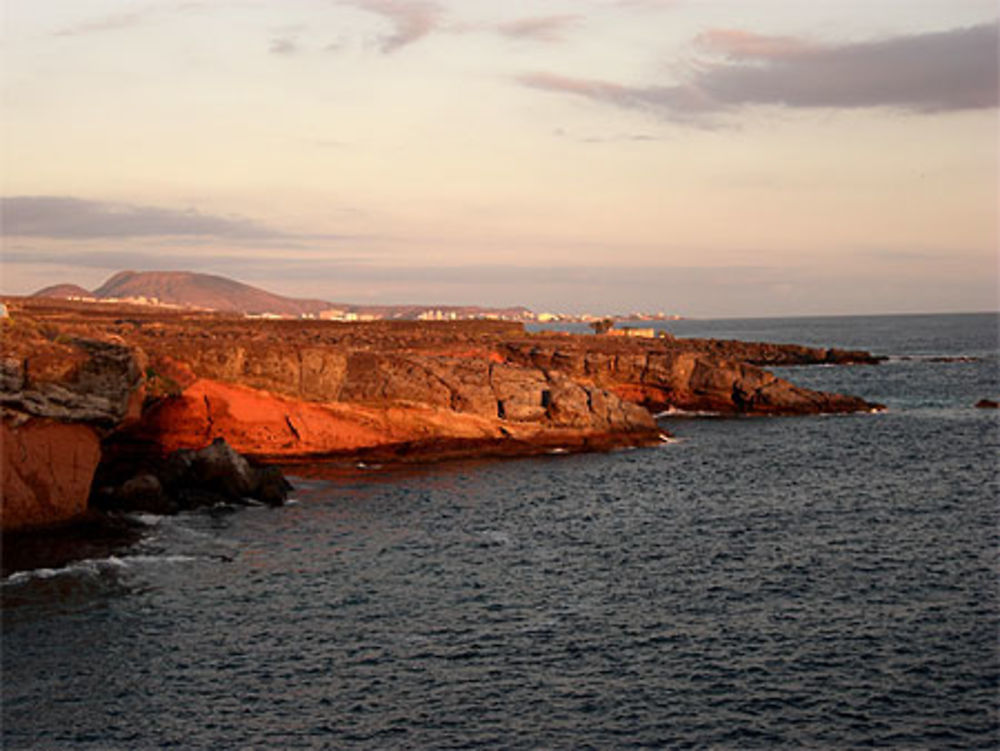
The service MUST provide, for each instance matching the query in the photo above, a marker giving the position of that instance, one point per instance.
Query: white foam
(676, 412)
(496, 536)
(143, 559)
(94, 566)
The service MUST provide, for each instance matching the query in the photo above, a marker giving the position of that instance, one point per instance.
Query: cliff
(60, 395)
(139, 380)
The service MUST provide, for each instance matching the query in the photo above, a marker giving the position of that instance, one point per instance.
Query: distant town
(402, 312)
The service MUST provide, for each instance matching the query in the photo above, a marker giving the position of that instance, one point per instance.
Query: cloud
(737, 44)
(109, 22)
(283, 46)
(614, 138)
(933, 72)
(645, 4)
(678, 102)
(63, 217)
(539, 28)
(412, 20)
(291, 264)
(131, 18)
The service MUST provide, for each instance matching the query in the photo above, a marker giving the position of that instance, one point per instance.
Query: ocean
(808, 582)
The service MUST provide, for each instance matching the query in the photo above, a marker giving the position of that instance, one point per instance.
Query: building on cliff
(644, 333)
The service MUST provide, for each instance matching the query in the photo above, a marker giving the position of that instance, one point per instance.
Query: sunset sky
(703, 157)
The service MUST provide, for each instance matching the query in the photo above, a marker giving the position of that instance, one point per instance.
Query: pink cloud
(539, 28)
(735, 43)
(412, 20)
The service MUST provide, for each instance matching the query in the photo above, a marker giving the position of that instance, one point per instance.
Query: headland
(84, 385)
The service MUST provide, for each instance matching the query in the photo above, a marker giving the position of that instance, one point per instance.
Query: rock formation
(185, 479)
(676, 375)
(59, 396)
(151, 382)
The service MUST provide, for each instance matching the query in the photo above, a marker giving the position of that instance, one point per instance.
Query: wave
(94, 567)
(939, 358)
(677, 412)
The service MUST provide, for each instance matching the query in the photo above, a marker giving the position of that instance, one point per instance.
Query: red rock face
(266, 425)
(47, 471)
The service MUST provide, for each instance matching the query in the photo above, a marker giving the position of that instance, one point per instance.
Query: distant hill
(191, 289)
(64, 291)
(203, 291)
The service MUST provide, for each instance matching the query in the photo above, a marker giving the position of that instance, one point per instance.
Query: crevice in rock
(291, 427)
(209, 422)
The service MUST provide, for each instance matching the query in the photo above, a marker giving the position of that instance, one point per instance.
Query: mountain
(63, 291)
(189, 289)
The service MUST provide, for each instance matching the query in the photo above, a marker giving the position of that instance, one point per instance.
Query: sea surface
(818, 582)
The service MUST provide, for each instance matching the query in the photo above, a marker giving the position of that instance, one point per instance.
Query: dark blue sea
(821, 583)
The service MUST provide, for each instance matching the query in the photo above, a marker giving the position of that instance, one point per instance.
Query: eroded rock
(187, 479)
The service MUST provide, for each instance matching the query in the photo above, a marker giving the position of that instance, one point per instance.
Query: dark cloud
(933, 72)
(539, 28)
(289, 265)
(412, 20)
(64, 217)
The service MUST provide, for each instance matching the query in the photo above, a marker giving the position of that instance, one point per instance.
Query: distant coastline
(196, 292)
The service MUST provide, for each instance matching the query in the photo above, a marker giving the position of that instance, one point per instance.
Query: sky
(710, 158)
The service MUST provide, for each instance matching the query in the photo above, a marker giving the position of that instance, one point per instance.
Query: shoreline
(82, 382)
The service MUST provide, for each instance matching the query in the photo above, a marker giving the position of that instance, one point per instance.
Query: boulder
(144, 492)
(188, 479)
(221, 472)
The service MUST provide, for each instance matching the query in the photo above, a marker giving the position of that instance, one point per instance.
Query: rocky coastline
(102, 405)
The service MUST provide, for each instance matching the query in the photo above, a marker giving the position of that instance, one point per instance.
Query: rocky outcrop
(59, 397)
(271, 426)
(184, 480)
(662, 376)
(767, 354)
(86, 381)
